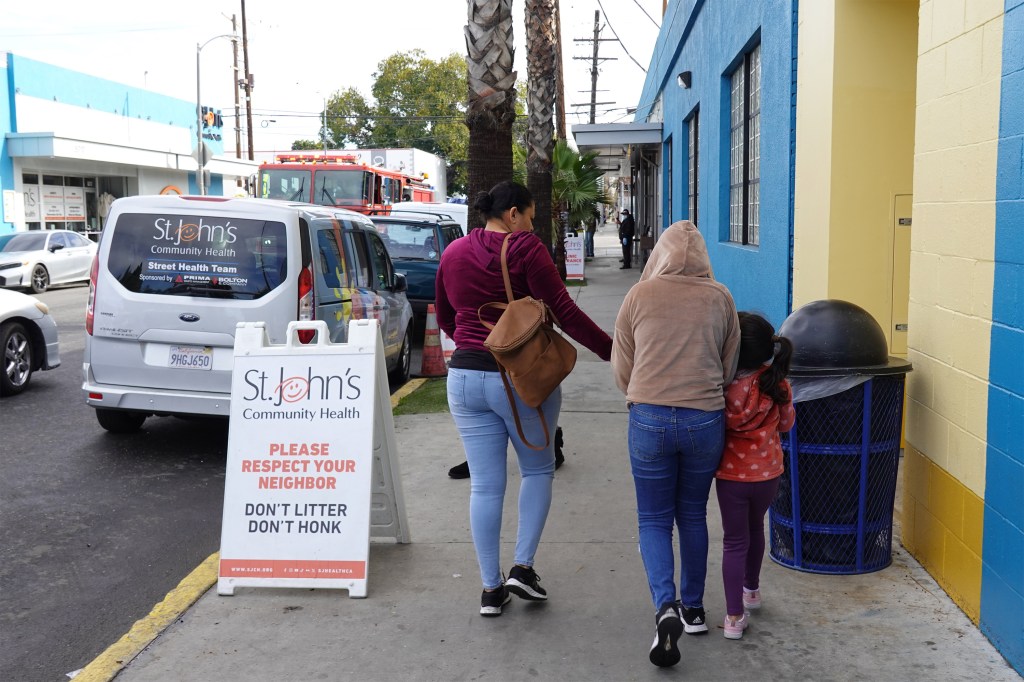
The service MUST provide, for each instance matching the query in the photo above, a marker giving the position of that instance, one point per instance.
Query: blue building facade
(724, 73)
(71, 142)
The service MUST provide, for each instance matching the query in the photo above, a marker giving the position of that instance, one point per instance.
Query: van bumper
(152, 400)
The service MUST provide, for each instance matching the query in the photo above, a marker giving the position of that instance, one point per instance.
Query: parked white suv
(174, 275)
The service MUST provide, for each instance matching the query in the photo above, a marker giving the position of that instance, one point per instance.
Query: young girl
(758, 406)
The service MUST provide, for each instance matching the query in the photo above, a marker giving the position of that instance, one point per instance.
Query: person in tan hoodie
(676, 347)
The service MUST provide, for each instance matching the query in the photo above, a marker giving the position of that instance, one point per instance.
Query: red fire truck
(339, 180)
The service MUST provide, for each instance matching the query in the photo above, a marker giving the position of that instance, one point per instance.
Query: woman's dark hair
(757, 346)
(501, 198)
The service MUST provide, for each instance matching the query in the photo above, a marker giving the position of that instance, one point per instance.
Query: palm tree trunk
(490, 112)
(541, 60)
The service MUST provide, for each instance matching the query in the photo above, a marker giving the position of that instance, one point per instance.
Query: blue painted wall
(6, 123)
(708, 39)
(1002, 561)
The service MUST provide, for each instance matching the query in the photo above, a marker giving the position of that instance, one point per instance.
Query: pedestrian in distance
(758, 406)
(676, 348)
(469, 276)
(588, 235)
(627, 230)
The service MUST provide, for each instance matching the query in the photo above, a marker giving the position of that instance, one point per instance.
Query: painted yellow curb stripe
(108, 664)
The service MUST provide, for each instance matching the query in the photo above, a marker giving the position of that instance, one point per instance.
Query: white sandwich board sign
(311, 461)
(574, 258)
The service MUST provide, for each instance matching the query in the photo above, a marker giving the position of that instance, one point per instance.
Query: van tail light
(306, 306)
(90, 306)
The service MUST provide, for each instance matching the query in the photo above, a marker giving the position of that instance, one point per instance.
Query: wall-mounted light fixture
(683, 79)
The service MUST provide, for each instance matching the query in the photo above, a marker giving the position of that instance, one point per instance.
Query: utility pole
(559, 82)
(248, 81)
(594, 61)
(593, 66)
(238, 118)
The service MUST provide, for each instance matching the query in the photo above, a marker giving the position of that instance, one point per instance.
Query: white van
(412, 209)
(174, 275)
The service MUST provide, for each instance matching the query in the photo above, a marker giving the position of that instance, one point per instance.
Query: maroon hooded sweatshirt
(470, 275)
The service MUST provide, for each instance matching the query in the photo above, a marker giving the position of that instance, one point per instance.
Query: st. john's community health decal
(300, 458)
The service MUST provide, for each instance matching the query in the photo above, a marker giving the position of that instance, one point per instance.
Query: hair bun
(484, 202)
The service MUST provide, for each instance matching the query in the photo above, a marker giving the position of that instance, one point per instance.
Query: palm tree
(491, 107)
(576, 183)
(541, 61)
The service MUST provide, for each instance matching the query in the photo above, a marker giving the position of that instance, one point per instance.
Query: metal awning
(51, 146)
(613, 141)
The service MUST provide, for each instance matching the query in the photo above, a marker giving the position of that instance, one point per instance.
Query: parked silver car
(35, 260)
(28, 336)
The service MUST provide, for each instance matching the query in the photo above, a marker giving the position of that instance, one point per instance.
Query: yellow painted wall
(951, 281)
(812, 207)
(872, 147)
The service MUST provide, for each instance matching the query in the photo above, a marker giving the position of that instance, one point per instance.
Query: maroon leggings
(743, 506)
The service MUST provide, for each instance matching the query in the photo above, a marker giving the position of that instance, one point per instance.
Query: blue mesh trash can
(833, 511)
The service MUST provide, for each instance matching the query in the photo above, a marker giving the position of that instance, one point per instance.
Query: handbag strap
(504, 267)
(515, 415)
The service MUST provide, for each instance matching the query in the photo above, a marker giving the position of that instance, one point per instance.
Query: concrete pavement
(420, 620)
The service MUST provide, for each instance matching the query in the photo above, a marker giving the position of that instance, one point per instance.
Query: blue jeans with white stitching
(674, 453)
(482, 415)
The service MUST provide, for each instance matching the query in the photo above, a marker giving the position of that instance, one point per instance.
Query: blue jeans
(674, 453)
(484, 419)
(588, 244)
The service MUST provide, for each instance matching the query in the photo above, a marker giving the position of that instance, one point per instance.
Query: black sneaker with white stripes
(491, 602)
(694, 620)
(665, 649)
(525, 583)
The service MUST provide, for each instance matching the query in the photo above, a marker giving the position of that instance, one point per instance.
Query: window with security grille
(693, 165)
(745, 150)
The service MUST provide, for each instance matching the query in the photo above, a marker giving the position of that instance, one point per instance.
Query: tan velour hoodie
(677, 336)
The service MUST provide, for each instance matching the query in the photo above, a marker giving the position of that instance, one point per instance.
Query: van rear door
(173, 286)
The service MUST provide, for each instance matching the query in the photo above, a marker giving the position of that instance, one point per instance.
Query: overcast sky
(301, 51)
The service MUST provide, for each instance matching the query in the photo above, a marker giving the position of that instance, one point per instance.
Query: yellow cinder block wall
(951, 280)
(857, 64)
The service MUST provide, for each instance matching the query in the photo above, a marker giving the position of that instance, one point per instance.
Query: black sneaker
(524, 583)
(459, 471)
(665, 649)
(559, 441)
(694, 621)
(491, 602)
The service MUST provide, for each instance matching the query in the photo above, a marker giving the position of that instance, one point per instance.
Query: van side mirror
(401, 284)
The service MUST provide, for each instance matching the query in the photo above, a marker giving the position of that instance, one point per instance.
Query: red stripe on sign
(280, 568)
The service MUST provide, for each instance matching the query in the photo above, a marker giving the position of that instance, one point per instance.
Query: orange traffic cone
(433, 357)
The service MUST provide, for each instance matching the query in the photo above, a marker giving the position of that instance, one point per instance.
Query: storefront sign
(74, 203)
(31, 198)
(574, 258)
(53, 202)
(300, 463)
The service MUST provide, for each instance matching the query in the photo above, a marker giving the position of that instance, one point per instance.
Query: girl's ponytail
(771, 380)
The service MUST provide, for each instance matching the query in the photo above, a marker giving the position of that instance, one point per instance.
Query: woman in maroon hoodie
(468, 277)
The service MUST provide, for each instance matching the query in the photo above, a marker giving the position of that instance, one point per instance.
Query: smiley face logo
(293, 389)
(188, 233)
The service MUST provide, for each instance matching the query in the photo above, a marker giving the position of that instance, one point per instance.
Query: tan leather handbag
(530, 353)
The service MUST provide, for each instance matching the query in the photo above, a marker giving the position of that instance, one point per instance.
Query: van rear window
(214, 257)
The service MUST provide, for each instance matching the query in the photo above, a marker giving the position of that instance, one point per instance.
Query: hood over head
(679, 251)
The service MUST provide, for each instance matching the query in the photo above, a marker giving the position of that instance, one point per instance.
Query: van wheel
(17, 358)
(40, 279)
(119, 421)
(400, 374)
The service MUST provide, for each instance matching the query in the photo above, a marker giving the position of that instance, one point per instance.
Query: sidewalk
(421, 622)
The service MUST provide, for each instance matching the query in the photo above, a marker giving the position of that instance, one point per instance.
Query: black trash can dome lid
(838, 337)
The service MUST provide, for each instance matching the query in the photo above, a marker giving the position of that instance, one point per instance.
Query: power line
(623, 45)
(645, 12)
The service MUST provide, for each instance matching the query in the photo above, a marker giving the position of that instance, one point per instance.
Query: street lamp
(200, 157)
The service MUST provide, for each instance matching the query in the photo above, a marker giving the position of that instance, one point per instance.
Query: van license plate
(191, 357)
